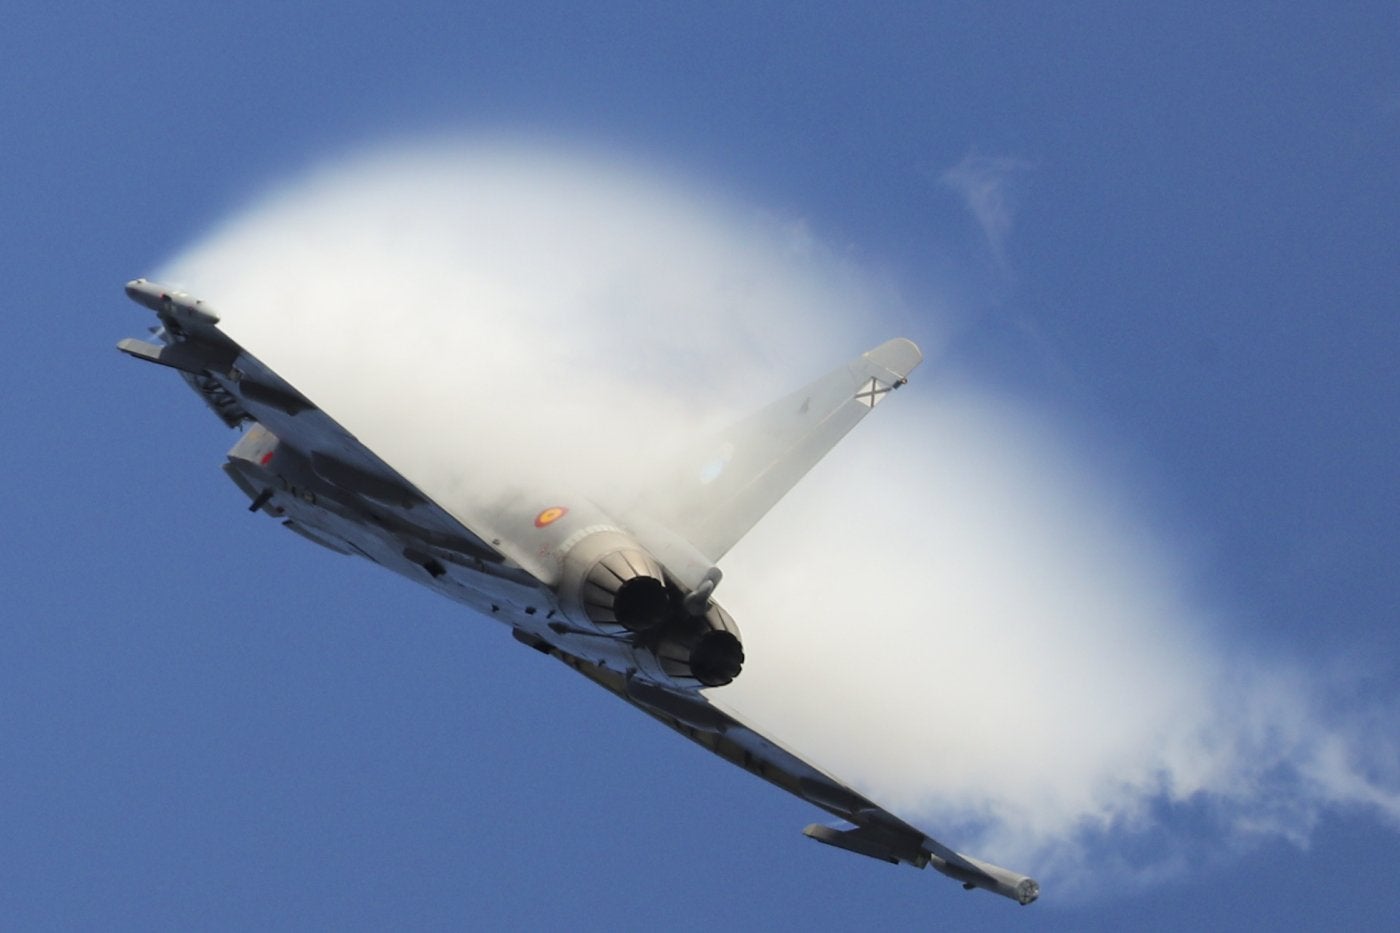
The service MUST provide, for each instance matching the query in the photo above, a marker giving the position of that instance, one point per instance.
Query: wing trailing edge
(866, 828)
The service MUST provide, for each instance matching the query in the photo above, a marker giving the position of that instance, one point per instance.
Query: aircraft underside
(626, 600)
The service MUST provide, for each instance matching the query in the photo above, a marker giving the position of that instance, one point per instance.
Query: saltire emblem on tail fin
(872, 393)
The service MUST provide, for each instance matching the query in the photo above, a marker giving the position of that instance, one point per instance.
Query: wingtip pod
(880, 835)
(167, 301)
(975, 873)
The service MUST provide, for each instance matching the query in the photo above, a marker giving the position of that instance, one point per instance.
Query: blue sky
(1169, 235)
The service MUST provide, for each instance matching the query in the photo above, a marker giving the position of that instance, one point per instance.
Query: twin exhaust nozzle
(610, 581)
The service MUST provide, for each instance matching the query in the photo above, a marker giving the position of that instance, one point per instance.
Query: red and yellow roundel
(550, 515)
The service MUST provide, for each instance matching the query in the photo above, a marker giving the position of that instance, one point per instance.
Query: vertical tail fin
(729, 483)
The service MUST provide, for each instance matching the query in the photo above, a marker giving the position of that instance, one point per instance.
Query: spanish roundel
(550, 515)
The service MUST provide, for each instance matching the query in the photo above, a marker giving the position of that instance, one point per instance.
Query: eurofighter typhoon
(627, 600)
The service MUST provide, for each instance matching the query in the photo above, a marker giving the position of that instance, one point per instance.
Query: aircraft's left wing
(864, 828)
(241, 389)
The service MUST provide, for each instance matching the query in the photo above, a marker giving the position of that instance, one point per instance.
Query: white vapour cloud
(985, 185)
(950, 612)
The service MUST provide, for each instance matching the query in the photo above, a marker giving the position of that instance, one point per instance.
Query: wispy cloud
(952, 612)
(987, 186)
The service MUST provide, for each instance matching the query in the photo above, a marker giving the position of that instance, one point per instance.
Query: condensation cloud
(951, 612)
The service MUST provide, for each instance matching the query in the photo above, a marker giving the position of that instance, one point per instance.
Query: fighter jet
(625, 599)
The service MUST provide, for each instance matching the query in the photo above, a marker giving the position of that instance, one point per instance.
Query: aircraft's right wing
(866, 828)
(729, 482)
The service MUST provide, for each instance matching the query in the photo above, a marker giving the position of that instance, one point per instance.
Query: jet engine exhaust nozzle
(641, 603)
(619, 587)
(717, 658)
(706, 650)
(613, 585)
